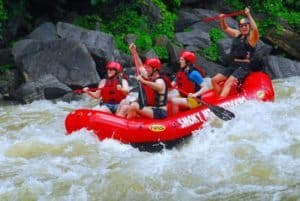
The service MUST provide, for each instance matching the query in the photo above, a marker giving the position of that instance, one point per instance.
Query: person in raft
(154, 90)
(242, 52)
(189, 82)
(111, 90)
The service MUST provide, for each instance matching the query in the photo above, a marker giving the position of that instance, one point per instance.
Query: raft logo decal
(260, 94)
(157, 127)
(191, 119)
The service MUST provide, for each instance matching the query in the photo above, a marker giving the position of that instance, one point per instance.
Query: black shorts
(159, 113)
(240, 71)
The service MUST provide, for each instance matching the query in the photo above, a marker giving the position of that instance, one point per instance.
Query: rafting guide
(242, 51)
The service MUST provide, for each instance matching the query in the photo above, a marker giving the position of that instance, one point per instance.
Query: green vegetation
(275, 10)
(211, 52)
(5, 68)
(130, 20)
(120, 18)
(88, 21)
(3, 17)
(95, 2)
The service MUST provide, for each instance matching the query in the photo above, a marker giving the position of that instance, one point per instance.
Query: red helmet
(153, 62)
(114, 65)
(188, 56)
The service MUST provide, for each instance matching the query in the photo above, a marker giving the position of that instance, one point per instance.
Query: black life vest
(241, 49)
(152, 97)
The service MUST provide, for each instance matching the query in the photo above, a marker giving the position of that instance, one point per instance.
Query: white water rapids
(255, 156)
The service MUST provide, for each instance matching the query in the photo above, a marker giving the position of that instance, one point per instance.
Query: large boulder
(67, 60)
(286, 40)
(280, 67)
(150, 9)
(99, 44)
(196, 39)
(46, 31)
(46, 87)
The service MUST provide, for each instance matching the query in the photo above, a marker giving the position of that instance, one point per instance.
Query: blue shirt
(196, 77)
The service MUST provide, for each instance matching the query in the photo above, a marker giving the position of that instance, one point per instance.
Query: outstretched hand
(119, 87)
(139, 78)
(247, 11)
(132, 46)
(222, 15)
(85, 89)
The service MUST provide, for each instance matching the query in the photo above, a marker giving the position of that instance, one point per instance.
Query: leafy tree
(275, 10)
(3, 17)
(129, 19)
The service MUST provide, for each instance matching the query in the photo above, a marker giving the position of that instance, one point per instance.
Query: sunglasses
(243, 25)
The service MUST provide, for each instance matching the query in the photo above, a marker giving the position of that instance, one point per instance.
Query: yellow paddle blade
(192, 102)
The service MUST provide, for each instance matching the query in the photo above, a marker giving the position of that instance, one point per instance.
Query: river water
(256, 156)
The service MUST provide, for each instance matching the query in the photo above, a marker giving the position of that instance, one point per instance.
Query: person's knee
(123, 107)
(230, 82)
(175, 100)
(214, 79)
(134, 106)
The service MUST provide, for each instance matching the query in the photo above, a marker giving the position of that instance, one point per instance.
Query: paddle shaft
(54, 92)
(216, 17)
(138, 63)
(219, 111)
(79, 91)
(187, 22)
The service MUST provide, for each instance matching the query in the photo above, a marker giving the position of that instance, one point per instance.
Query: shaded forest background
(118, 17)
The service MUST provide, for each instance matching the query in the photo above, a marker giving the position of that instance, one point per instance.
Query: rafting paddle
(138, 63)
(51, 93)
(181, 25)
(219, 111)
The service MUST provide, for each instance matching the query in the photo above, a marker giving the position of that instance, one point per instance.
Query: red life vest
(184, 83)
(110, 93)
(152, 98)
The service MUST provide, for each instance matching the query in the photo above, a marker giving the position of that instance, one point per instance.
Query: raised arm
(97, 93)
(137, 61)
(224, 26)
(254, 34)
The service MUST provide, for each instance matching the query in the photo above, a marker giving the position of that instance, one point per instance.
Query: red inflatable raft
(152, 134)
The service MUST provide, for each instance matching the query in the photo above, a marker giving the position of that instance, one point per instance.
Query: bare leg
(227, 86)
(146, 112)
(176, 103)
(132, 110)
(216, 80)
(122, 109)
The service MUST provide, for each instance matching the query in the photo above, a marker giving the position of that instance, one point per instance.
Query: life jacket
(200, 70)
(241, 49)
(110, 93)
(152, 97)
(184, 83)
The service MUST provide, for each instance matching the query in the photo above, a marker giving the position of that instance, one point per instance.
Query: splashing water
(255, 156)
